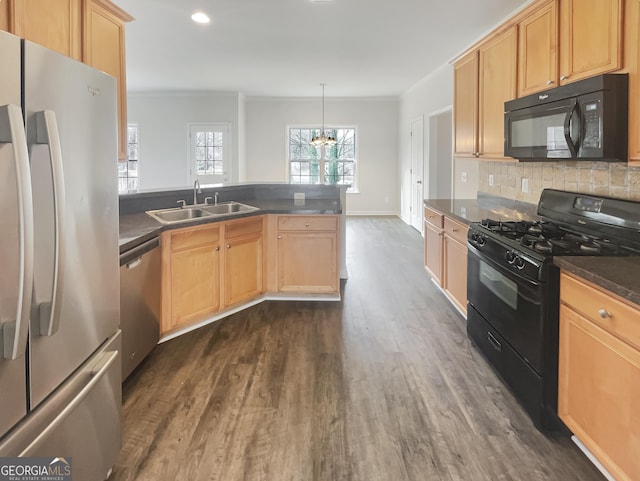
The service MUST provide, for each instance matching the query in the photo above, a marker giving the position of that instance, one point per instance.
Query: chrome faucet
(196, 191)
(215, 198)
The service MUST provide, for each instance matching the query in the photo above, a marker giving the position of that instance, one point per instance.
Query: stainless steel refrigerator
(60, 389)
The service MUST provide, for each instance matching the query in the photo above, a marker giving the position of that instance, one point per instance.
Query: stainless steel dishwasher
(140, 290)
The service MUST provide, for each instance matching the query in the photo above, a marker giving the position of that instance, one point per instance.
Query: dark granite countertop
(485, 206)
(136, 228)
(616, 274)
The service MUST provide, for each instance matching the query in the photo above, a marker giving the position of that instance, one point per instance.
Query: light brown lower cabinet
(599, 374)
(243, 260)
(307, 254)
(209, 268)
(190, 274)
(445, 255)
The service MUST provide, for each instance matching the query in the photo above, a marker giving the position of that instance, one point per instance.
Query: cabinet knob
(306, 224)
(550, 82)
(564, 77)
(217, 248)
(228, 246)
(604, 314)
(279, 236)
(455, 229)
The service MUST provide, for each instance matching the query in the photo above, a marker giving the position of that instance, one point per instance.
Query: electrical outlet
(525, 185)
(298, 196)
(490, 180)
(463, 176)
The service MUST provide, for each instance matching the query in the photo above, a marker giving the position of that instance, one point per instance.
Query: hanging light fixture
(323, 139)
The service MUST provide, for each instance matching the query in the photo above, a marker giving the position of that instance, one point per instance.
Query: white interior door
(417, 171)
(210, 149)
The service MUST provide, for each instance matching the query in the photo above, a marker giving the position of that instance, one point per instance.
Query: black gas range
(513, 286)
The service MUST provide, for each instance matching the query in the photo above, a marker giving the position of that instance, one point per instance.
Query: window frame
(137, 176)
(227, 150)
(354, 188)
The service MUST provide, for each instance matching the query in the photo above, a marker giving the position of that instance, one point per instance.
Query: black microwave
(586, 120)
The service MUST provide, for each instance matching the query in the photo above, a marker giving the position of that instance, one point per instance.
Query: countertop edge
(155, 228)
(586, 268)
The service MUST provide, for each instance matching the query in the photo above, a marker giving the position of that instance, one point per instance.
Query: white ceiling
(286, 48)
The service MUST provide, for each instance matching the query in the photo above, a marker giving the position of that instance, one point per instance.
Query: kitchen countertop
(485, 206)
(136, 228)
(616, 274)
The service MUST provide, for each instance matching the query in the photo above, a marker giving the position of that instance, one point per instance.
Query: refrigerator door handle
(47, 133)
(13, 335)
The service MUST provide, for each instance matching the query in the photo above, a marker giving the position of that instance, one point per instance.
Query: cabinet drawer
(601, 307)
(433, 217)
(194, 236)
(302, 222)
(242, 227)
(456, 230)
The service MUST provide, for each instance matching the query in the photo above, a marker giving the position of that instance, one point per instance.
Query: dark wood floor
(384, 386)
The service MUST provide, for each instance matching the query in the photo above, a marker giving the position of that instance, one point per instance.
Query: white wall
(163, 120)
(376, 121)
(432, 94)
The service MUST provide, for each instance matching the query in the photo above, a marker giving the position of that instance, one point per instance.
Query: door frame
(416, 173)
(433, 148)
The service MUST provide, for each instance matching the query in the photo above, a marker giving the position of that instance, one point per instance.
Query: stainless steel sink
(227, 208)
(179, 214)
(195, 212)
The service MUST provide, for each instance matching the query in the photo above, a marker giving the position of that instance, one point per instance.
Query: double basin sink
(195, 212)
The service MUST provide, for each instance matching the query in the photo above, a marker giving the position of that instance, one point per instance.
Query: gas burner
(543, 246)
(590, 247)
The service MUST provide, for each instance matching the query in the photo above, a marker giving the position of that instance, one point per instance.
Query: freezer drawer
(80, 420)
(140, 291)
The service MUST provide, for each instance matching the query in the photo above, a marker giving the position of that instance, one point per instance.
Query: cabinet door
(598, 393)
(308, 262)
(195, 283)
(104, 50)
(465, 105)
(4, 15)
(55, 24)
(455, 275)
(243, 272)
(433, 251)
(632, 65)
(590, 38)
(537, 50)
(497, 85)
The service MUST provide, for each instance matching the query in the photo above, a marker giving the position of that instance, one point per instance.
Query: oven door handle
(473, 251)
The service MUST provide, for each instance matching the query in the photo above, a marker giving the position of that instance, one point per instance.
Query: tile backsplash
(614, 179)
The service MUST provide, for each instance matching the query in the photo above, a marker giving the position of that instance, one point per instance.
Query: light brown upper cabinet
(4, 15)
(590, 38)
(538, 50)
(465, 105)
(497, 67)
(54, 24)
(632, 66)
(104, 49)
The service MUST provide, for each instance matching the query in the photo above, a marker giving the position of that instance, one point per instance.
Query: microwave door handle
(14, 334)
(573, 147)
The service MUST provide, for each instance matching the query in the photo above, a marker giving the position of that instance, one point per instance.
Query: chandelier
(323, 139)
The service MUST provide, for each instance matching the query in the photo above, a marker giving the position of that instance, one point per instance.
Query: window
(128, 171)
(329, 164)
(209, 156)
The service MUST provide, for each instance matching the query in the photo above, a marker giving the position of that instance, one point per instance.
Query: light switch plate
(490, 180)
(525, 185)
(463, 176)
(298, 196)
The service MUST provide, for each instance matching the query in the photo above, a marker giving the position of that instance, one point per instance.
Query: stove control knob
(510, 256)
(519, 262)
(481, 240)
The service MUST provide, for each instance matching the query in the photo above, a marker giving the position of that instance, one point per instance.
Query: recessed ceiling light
(200, 17)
